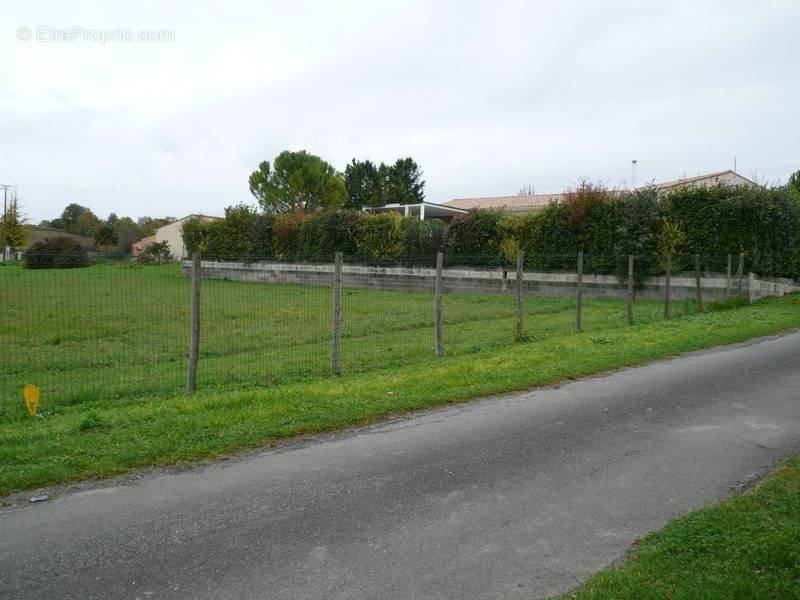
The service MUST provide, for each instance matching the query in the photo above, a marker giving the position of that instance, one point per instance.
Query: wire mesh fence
(121, 331)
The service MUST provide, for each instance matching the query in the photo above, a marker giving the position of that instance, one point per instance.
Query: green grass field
(113, 333)
(107, 344)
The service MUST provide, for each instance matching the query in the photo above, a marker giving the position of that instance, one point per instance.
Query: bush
(56, 253)
(157, 253)
(286, 234)
(323, 234)
(721, 220)
(243, 234)
(380, 236)
(423, 238)
(474, 239)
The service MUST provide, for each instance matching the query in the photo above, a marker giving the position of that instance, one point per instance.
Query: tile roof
(509, 203)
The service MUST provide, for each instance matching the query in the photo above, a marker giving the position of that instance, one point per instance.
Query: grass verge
(745, 547)
(96, 439)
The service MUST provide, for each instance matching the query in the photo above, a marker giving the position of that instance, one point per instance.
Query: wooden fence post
(336, 338)
(579, 296)
(667, 291)
(740, 273)
(728, 278)
(697, 283)
(518, 323)
(630, 289)
(751, 284)
(438, 303)
(194, 326)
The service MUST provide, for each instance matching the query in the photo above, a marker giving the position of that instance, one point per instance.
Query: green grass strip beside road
(104, 438)
(746, 547)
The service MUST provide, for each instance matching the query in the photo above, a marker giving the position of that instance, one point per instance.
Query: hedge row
(607, 226)
(245, 234)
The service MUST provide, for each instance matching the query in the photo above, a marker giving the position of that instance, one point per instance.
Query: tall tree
(402, 182)
(79, 220)
(363, 184)
(127, 232)
(794, 181)
(13, 232)
(296, 181)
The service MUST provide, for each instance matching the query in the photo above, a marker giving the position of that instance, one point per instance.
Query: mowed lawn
(112, 333)
(107, 344)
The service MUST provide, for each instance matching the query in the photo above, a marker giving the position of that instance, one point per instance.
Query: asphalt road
(515, 496)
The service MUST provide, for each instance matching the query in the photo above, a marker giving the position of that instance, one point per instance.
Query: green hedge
(606, 226)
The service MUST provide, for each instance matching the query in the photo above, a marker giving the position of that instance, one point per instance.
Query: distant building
(138, 247)
(534, 202)
(170, 233)
(512, 204)
(728, 177)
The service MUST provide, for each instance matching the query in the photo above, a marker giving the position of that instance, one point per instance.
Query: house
(729, 177)
(172, 234)
(422, 210)
(511, 204)
(138, 247)
(534, 202)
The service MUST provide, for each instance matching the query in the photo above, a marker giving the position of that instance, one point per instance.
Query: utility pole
(5, 221)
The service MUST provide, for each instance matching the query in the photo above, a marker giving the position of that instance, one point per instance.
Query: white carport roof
(422, 210)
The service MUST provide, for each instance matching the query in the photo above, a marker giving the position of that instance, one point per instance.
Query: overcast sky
(486, 96)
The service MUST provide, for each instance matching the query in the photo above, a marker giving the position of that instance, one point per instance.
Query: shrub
(56, 253)
(380, 236)
(718, 220)
(423, 238)
(328, 232)
(243, 234)
(547, 239)
(286, 234)
(474, 238)
(157, 253)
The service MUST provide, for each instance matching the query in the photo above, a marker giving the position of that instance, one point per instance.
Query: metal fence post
(336, 338)
(194, 327)
(438, 304)
(579, 296)
(630, 289)
(518, 322)
(667, 291)
(697, 283)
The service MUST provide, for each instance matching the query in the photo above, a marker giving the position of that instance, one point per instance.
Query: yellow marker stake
(31, 395)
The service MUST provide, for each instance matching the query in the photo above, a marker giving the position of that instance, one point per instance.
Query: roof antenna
(734, 164)
(633, 173)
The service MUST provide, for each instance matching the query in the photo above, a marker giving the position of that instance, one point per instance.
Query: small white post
(422, 212)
